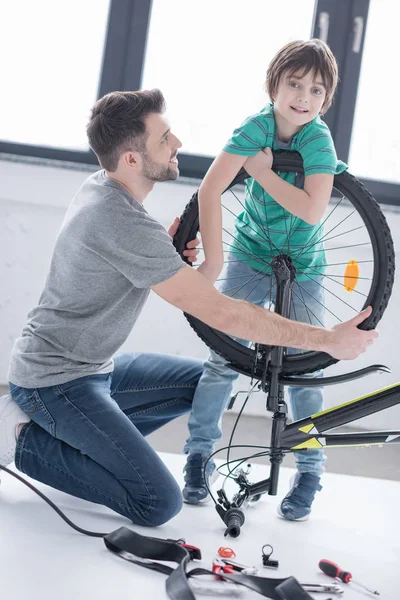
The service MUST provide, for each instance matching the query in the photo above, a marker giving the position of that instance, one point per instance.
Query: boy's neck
(285, 130)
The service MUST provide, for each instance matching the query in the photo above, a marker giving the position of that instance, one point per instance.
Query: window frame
(123, 63)
(122, 66)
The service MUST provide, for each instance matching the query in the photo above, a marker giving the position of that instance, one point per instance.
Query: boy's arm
(218, 177)
(308, 204)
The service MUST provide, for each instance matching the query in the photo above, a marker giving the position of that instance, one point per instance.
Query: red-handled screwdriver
(330, 568)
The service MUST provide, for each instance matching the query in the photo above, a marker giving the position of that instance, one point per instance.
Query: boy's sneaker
(296, 505)
(195, 490)
(11, 416)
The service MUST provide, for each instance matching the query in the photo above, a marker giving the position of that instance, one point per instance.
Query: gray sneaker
(11, 416)
(296, 505)
(195, 490)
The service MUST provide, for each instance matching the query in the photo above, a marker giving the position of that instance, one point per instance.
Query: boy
(281, 215)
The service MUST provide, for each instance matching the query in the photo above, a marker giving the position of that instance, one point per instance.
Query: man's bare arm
(194, 294)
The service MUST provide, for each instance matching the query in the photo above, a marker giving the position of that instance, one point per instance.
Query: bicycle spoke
(325, 239)
(316, 300)
(244, 251)
(260, 224)
(269, 293)
(330, 292)
(266, 221)
(308, 309)
(339, 248)
(344, 263)
(252, 290)
(257, 273)
(333, 228)
(324, 220)
(252, 228)
(356, 277)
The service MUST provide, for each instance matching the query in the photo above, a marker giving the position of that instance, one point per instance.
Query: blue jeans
(215, 387)
(86, 436)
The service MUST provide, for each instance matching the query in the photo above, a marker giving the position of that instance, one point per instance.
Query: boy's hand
(349, 341)
(255, 165)
(192, 251)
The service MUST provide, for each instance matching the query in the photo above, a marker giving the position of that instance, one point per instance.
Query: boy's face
(299, 99)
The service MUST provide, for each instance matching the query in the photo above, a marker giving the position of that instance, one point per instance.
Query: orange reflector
(351, 275)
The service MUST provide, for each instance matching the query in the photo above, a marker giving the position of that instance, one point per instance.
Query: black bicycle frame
(306, 433)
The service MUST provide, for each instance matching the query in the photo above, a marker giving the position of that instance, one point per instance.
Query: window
(51, 76)
(210, 58)
(375, 143)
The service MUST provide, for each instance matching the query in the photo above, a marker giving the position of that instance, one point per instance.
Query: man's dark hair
(117, 124)
(301, 57)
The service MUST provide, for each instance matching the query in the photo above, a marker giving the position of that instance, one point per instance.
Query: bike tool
(327, 588)
(266, 560)
(333, 570)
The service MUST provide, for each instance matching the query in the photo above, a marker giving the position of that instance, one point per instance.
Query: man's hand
(349, 341)
(192, 251)
(255, 165)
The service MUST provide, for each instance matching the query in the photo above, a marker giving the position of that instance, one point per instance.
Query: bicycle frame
(307, 433)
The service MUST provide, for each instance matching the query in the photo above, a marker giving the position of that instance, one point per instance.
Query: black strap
(143, 551)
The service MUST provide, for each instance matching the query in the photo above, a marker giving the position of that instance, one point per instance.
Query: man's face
(299, 99)
(159, 160)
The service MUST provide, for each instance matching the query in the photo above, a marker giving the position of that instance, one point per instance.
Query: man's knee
(160, 507)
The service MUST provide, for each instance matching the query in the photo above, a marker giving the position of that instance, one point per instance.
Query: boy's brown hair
(299, 58)
(117, 124)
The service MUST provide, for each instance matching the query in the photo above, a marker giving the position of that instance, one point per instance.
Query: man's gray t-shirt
(108, 253)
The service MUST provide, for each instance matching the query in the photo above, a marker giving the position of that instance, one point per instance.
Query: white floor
(355, 522)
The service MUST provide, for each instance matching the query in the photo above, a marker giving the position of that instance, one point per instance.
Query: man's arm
(218, 177)
(194, 294)
(308, 204)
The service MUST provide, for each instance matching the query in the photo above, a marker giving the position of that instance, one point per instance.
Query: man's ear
(132, 159)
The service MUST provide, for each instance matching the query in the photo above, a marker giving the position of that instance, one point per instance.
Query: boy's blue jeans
(215, 387)
(86, 436)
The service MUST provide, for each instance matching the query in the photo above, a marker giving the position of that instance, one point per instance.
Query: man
(89, 414)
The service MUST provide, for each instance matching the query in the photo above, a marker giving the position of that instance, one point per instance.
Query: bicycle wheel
(358, 268)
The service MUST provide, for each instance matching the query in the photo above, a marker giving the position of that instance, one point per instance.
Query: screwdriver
(330, 568)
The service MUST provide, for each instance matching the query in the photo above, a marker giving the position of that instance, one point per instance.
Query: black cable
(53, 506)
(251, 390)
(266, 453)
(229, 476)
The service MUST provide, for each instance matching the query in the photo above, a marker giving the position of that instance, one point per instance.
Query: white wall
(33, 200)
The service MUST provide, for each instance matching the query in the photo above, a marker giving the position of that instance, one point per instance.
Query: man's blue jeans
(86, 436)
(241, 281)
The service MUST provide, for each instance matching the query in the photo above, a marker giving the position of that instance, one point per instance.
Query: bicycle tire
(242, 358)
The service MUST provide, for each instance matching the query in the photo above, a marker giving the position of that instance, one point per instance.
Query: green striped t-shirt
(265, 229)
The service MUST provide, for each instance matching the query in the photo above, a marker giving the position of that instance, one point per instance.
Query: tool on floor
(325, 588)
(266, 560)
(333, 570)
(226, 552)
(219, 567)
(237, 566)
